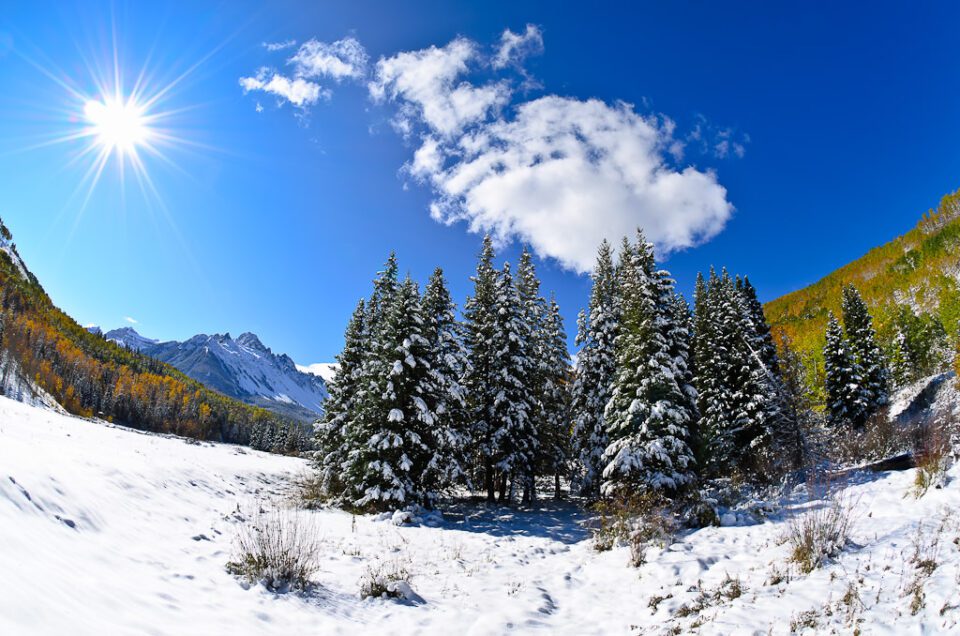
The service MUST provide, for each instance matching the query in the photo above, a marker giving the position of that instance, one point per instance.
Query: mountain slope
(242, 368)
(51, 355)
(920, 270)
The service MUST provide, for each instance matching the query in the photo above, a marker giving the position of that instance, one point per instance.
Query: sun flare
(117, 125)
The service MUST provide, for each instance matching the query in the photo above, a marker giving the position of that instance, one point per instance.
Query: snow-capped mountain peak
(128, 337)
(242, 368)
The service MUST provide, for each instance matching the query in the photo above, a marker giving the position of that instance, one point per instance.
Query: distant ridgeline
(90, 376)
(911, 287)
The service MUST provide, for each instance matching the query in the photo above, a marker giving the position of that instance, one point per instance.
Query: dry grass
(279, 549)
(821, 533)
(932, 455)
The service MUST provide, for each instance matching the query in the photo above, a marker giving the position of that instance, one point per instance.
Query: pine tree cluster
(857, 375)
(664, 396)
(423, 403)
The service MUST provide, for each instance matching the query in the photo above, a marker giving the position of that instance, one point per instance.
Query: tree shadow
(561, 521)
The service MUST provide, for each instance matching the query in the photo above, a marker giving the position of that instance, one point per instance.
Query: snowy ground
(106, 530)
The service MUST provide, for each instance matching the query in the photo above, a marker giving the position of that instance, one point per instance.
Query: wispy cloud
(132, 321)
(313, 62)
(424, 84)
(279, 46)
(298, 91)
(516, 47)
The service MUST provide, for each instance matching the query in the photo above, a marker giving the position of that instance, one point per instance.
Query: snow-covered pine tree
(341, 403)
(555, 426)
(450, 436)
(596, 363)
(844, 381)
(756, 386)
(682, 350)
(480, 324)
(389, 451)
(647, 416)
(738, 389)
(513, 438)
(781, 447)
(714, 349)
(533, 314)
(762, 338)
(858, 325)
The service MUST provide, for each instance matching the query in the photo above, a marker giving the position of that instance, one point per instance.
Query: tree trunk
(556, 486)
(488, 468)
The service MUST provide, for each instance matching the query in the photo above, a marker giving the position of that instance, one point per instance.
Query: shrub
(277, 549)
(637, 520)
(932, 456)
(880, 438)
(387, 582)
(821, 533)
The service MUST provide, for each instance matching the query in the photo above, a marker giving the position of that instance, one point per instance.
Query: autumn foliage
(90, 376)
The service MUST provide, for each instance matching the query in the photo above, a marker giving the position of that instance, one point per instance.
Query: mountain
(919, 271)
(242, 368)
(47, 358)
(129, 338)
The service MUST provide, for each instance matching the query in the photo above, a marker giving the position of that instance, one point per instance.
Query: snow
(108, 530)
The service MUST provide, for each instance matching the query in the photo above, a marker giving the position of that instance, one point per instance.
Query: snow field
(106, 530)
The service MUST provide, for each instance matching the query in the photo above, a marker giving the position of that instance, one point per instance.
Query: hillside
(919, 270)
(45, 350)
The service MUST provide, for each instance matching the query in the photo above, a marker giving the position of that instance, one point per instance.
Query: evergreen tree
(596, 363)
(513, 439)
(648, 418)
(555, 427)
(448, 365)
(480, 325)
(858, 325)
(919, 346)
(532, 326)
(341, 403)
(845, 397)
(746, 425)
(389, 450)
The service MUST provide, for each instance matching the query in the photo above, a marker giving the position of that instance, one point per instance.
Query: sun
(117, 125)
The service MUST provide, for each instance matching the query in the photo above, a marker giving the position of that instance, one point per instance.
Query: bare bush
(881, 437)
(821, 533)
(279, 549)
(932, 456)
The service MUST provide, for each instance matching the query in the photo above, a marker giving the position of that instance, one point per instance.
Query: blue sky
(780, 141)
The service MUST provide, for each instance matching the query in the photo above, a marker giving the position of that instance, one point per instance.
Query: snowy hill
(108, 530)
(242, 368)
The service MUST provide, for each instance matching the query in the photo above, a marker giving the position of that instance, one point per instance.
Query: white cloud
(279, 46)
(298, 91)
(559, 173)
(313, 61)
(342, 59)
(425, 83)
(325, 370)
(564, 174)
(132, 321)
(515, 47)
